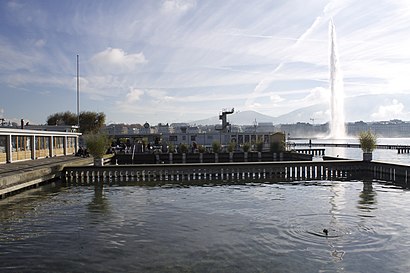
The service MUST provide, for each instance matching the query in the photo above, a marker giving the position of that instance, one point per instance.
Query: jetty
(26, 174)
(401, 149)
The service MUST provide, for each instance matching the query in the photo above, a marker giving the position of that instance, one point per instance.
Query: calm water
(233, 228)
(353, 153)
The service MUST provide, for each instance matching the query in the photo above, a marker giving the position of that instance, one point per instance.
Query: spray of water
(337, 122)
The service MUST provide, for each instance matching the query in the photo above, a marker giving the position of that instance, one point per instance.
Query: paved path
(23, 174)
(29, 165)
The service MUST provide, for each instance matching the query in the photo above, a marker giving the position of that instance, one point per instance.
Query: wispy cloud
(168, 59)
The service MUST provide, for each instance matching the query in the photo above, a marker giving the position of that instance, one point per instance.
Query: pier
(401, 149)
(21, 175)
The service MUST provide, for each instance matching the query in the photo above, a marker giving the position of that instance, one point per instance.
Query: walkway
(19, 175)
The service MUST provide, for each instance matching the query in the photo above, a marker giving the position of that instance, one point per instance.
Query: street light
(78, 91)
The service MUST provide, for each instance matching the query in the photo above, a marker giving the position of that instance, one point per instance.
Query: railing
(225, 172)
(311, 151)
(283, 171)
(396, 173)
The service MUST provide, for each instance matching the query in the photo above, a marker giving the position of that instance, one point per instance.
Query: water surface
(216, 228)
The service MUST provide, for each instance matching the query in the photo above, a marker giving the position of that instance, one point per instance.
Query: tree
(62, 118)
(90, 122)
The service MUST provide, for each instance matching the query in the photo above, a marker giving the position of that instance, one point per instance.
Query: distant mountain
(360, 108)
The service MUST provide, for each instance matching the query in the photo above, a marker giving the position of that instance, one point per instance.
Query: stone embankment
(17, 176)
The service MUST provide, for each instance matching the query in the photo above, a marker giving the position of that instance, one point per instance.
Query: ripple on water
(347, 232)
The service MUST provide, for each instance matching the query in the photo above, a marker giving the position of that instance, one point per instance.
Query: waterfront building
(26, 144)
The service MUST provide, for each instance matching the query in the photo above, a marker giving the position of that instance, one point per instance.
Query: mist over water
(337, 122)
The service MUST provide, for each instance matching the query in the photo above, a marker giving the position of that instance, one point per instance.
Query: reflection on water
(367, 199)
(99, 203)
(234, 228)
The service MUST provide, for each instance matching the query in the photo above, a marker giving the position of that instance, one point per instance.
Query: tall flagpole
(78, 91)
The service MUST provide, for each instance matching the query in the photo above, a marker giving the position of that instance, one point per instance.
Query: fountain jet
(337, 122)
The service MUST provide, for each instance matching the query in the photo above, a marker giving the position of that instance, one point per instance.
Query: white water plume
(337, 122)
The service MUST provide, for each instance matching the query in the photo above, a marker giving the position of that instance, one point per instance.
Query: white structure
(22, 144)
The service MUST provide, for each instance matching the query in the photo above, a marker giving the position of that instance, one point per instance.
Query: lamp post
(78, 91)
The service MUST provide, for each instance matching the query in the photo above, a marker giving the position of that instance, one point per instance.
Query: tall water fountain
(337, 122)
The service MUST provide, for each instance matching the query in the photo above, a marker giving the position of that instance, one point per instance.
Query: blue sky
(181, 60)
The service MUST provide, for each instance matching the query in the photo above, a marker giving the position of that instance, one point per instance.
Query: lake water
(254, 227)
(233, 228)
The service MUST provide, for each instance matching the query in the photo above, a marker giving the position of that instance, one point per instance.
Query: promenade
(30, 173)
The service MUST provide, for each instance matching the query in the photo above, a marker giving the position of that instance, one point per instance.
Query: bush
(246, 147)
(171, 148)
(183, 148)
(259, 146)
(231, 146)
(277, 147)
(216, 146)
(368, 141)
(97, 144)
(201, 149)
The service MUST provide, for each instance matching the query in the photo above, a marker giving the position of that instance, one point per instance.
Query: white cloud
(116, 58)
(156, 93)
(40, 43)
(169, 6)
(276, 99)
(317, 95)
(394, 110)
(134, 95)
(14, 5)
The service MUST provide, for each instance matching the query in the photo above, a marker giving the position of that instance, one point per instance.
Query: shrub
(216, 146)
(97, 144)
(246, 147)
(171, 148)
(183, 148)
(259, 146)
(201, 149)
(231, 146)
(368, 141)
(277, 146)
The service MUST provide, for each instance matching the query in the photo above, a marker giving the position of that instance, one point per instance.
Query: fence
(228, 172)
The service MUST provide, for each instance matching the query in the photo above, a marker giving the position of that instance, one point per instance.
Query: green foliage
(90, 122)
(368, 141)
(231, 146)
(201, 148)
(277, 146)
(259, 145)
(62, 118)
(183, 148)
(216, 146)
(246, 147)
(97, 144)
(171, 148)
